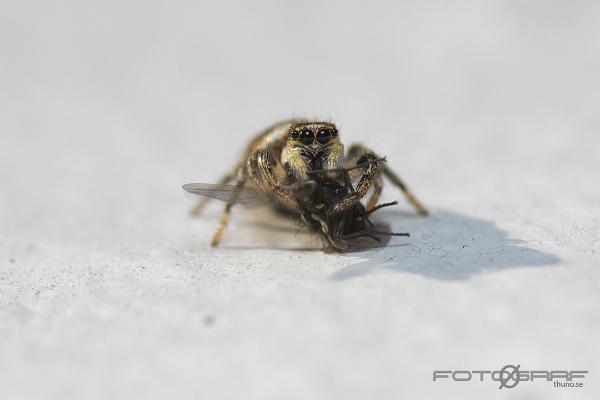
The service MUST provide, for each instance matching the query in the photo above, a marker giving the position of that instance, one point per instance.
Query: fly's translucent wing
(227, 193)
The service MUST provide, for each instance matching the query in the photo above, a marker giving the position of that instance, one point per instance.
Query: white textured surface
(108, 290)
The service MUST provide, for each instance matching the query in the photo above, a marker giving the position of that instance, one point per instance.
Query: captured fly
(301, 169)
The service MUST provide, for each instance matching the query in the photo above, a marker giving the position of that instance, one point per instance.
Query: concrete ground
(108, 290)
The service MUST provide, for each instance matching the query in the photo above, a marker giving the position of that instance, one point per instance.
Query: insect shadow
(445, 246)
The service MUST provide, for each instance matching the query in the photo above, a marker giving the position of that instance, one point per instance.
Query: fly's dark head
(340, 230)
(337, 228)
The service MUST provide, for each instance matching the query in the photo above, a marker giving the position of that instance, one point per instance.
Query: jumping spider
(300, 167)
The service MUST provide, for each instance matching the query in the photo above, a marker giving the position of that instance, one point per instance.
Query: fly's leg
(199, 207)
(356, 151)
(227, 212)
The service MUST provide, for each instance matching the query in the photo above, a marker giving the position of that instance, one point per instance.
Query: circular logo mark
(509, 376)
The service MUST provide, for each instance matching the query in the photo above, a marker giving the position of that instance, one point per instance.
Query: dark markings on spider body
(300, 167)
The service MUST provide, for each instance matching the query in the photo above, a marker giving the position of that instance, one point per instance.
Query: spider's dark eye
(323, 135)
(295, 135)
(307, 136)
(334, 132)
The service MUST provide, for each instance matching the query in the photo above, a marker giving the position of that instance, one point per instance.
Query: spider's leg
(412, 199)
(370, 167)
(261, 173)
(376, 194)
(227, 212)
(356, 151)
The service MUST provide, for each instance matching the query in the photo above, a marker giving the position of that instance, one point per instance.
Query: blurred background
(488, 109)
(115, 87)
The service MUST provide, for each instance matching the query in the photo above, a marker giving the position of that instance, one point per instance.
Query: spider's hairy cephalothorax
(312, 146)
(302, 168)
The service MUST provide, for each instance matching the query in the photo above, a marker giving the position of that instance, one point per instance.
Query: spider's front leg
(355, 151)
(259, 169)
(261, 173)
(369, 177)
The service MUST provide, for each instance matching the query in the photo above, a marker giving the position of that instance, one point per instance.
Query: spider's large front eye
(323, 135)
(307, 136)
